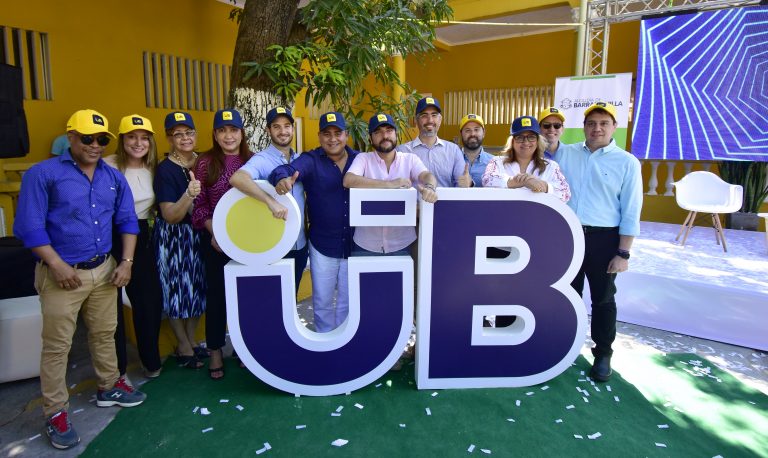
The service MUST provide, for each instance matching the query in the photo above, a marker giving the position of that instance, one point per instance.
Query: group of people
(92, 223)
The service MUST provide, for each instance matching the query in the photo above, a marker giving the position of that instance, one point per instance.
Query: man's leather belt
(92, 263)
(590, 229)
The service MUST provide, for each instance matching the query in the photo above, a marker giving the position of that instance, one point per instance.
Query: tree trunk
(263, 23)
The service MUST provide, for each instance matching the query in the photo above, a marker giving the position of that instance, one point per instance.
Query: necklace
(184, 164)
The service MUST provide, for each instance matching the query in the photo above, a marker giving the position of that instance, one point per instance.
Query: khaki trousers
(96, 299)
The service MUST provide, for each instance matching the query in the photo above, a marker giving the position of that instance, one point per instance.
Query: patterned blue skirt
(181, 268)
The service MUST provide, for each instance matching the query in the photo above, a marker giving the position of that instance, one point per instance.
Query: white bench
(21, 325)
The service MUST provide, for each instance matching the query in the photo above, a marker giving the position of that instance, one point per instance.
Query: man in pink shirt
(387, 168)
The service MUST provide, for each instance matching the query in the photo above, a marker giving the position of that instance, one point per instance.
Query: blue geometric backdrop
(702, 87)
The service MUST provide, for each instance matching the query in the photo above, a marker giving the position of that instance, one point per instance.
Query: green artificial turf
(704, 417)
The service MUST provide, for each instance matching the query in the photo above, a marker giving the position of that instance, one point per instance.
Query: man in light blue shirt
(472, 130)
(607, 196)
(279, 152)
(443, 158)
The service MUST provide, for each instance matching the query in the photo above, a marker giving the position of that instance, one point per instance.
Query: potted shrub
(753, 177)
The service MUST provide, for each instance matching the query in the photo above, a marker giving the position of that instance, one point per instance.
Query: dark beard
(473, 143)
(392, 145)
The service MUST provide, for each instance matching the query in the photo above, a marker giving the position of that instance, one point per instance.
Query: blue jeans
(329, 276)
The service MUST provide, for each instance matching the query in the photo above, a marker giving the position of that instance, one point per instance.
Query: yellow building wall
(96, 56)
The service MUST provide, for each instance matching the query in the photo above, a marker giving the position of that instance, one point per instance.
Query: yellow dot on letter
(251, 226)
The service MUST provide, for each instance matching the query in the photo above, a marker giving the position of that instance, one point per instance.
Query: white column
(670, 178)
(653, 180)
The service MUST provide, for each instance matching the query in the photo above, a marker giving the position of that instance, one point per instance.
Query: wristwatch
(624, 254)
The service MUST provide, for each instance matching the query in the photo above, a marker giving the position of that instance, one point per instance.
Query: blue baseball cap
(333, 118)
(227, 117)
(278, 111)
(428, 102)
(176, 118)
(524, 123)
(380, 119)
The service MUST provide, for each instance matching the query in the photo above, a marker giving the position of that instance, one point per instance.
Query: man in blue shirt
(260, 165)
(472, 130)
(607, 196)
(442, 158)
(66, 211)
(322, 170)
(552, 122)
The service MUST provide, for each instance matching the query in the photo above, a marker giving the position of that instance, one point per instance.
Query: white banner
(575, 94)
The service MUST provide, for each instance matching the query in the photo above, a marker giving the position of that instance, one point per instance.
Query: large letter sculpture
(261, 302)
(459, 285)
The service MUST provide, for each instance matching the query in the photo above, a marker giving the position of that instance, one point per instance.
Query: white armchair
(705, 192)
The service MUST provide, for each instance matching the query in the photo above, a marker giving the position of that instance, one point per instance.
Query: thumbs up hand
(285, 185)
(465, 180)
(193, 188)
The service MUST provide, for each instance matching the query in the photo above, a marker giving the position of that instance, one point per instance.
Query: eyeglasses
(526, 138)
(551, 125)
(187, 134)
(102, 140)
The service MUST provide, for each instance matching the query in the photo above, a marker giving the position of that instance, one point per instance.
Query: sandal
(217, 373)
(190, 362)
(212, 370)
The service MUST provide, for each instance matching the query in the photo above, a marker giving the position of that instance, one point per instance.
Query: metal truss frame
(602, 13)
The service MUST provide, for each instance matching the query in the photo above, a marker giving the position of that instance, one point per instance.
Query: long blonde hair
(149, 159)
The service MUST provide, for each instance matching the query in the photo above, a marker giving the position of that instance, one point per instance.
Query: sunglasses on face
(550, 125)
(102, 140)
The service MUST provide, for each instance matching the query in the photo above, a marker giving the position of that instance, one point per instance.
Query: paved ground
(21, 421)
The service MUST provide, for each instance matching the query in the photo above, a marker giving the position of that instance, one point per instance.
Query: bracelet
(128, 260)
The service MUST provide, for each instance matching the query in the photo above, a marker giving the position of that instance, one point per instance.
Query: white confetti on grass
(195, 409)
(517, 403)
(301, 426)
(207, 430)
(471, 448)
(377, 385)
(339, 442)
(335, 414)
(223, 401)
(616, 398)
(511, 420)
(486, 451)
(659, 444)
(434, 394)
(608, 387)
(205, 411)
(239, 407)
(559, 420)
(594, 436)
(34, 437)
(428, 410)
(663, 426)
(359, 406)
(402, 425)
(264, 449)
(578, 436)
(570, 407)
(339, 408)
(585, 399)
(530, 393)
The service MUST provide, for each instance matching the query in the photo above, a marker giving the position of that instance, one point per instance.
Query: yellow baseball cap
(134, 122)
(607, 107)
(471, 118)
(551, 111)
(88, 122)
